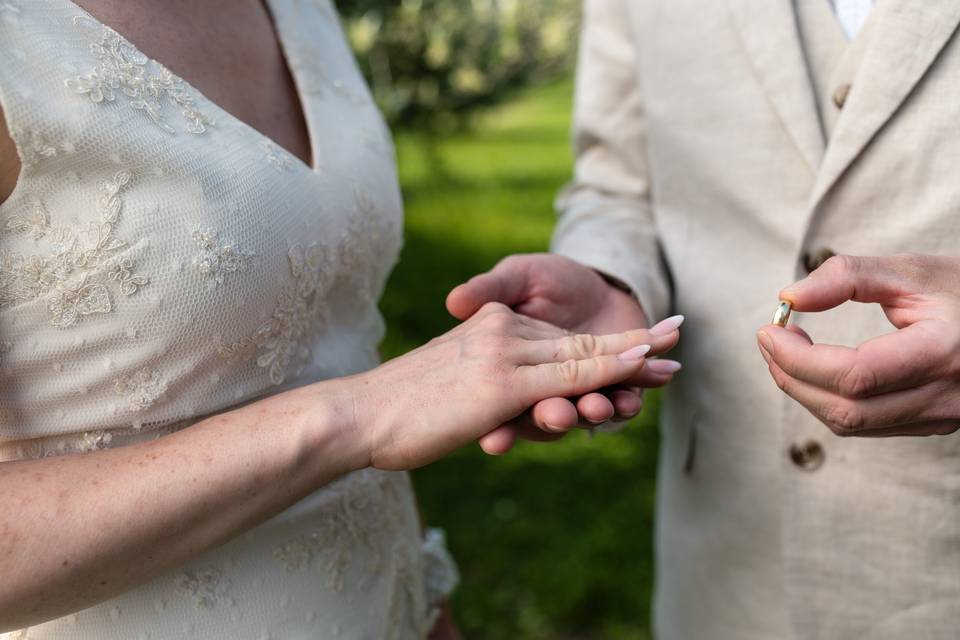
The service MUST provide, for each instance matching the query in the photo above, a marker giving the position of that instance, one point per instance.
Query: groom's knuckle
(844, 418)
(857, 381)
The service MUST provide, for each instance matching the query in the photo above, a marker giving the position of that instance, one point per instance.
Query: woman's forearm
(80, 529)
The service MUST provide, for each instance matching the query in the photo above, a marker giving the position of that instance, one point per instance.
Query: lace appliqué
(142, 388)
(357, 524)
(282, 340)
(207, 586)
(368, 244)
(408, 615)
(94, 441)
(34, 147)
(214, 260)
(123, 71)
(33, 224)
(74, 274)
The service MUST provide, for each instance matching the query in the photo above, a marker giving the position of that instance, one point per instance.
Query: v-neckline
(264, 139)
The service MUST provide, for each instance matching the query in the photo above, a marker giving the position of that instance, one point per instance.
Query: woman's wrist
(322, 420)
(329, 424)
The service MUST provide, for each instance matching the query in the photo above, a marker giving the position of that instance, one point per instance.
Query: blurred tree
(432, 63)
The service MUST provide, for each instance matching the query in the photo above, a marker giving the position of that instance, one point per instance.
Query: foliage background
(433, 63)
(553, 542)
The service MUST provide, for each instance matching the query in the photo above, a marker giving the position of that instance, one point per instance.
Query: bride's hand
(485, 372)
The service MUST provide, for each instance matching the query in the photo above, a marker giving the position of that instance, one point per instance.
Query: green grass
(553, 541)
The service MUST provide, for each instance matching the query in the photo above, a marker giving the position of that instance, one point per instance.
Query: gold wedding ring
(782, 316)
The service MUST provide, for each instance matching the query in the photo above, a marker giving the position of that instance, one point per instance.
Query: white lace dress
(161, 261)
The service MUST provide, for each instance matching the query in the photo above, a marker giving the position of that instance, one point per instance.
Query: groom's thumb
(506, 283)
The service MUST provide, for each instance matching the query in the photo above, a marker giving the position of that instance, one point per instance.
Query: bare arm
(9, 161)
(80, 529)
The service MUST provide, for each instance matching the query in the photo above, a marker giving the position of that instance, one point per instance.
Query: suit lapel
(908, 38)
(768, 30)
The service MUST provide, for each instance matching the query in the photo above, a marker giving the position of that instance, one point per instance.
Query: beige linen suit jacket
(703, 179)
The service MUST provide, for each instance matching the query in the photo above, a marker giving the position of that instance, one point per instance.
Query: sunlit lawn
(553, 541)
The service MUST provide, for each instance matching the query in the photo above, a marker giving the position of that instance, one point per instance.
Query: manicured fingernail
(668, 326)
(766, 345)
(664, 366)
(635, 353)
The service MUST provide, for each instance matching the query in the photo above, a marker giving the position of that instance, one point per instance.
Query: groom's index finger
(843, 278)
(507, 283)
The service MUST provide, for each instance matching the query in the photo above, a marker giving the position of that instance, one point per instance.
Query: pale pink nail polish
(665, 327)
(665, 367)
(635, 353)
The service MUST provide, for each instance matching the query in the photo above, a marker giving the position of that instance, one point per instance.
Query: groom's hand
(902, 383)
(572, 296)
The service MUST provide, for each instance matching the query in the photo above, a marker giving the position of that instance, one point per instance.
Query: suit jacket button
(808, 455)
(814, 260)
(840, 95)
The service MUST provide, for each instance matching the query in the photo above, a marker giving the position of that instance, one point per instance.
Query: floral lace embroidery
(408, 614)
(207, 586)
(124, 71)
(366, 244)
(34, 147)
(215, 261)
(94, 441)
(33, 224)
(73, 275)
(143, 388)
(297, 316)
(360, 521)
(278, 158)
